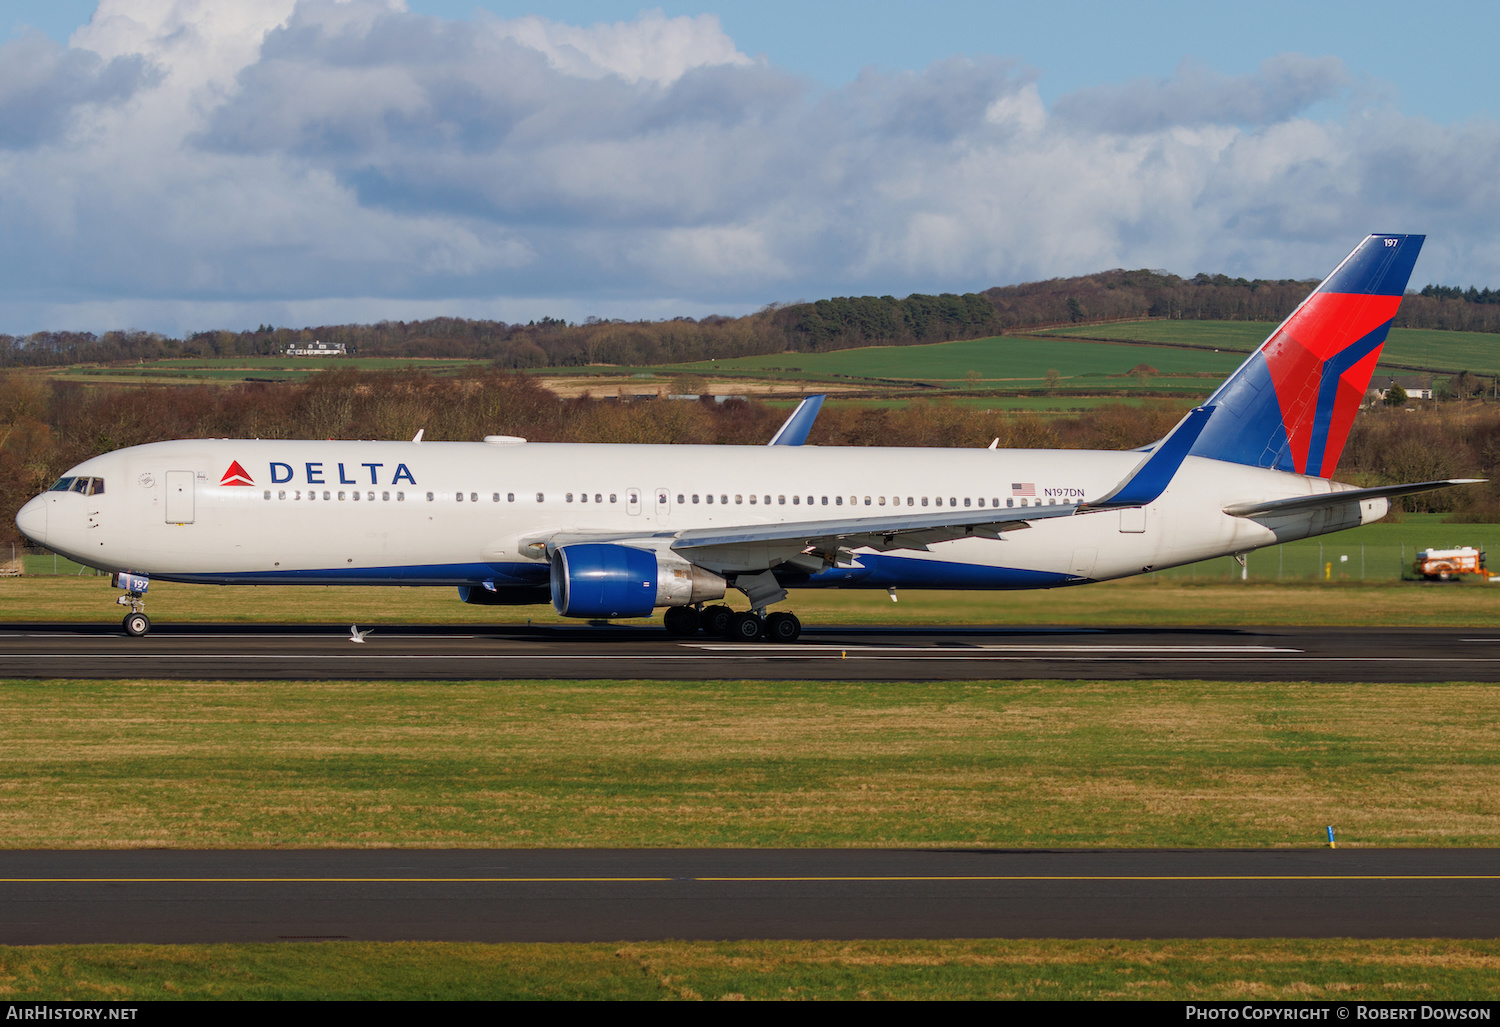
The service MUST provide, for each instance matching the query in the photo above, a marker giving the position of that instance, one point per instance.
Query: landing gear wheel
(681, 621)
(136, 624)
(783, 627)
(716, 620)
(746, 627)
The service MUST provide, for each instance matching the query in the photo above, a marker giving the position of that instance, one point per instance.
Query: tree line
(838, 323)
(46, 427)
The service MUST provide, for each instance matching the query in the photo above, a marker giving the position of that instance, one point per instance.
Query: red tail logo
(236, 475)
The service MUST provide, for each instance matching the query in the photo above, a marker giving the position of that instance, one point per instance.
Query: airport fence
(1306, 561)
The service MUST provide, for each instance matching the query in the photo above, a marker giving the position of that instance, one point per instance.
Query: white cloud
(226, 157)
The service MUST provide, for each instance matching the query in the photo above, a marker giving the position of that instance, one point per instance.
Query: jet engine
(596, 579)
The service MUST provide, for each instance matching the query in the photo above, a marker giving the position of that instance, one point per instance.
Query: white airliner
(618, 530)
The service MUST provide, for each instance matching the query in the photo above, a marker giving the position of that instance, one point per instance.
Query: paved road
(622, 895)
(290, 652)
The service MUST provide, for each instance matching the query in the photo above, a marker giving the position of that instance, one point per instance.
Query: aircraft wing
(794, 431)
(1300, 504)
(910, 531)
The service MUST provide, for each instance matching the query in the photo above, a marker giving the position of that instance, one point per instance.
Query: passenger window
(473, 497)
(540, 498)
(567, 498)
(838, 500)
(429, 497)
(781, 500)
(281, 495)
(680, 500)
(981, 500)
(723, 500)
(994, 501)
(370, 496)
(510, 497)
(796, 500)
(768, 500)
(695, 497)
(966, 500)
(354, 496)
(709, 498)
(952, 501)
(882, 501)
(867, 501)
(752, 500)
(739, 499)
(341, 497)
(385, 497)
(912, 502)
(924, 500)
(612, 497)
(938, 501)
(400, 497)
(599, 497)
(1023, 502)
(1010, 502)
(325, 495)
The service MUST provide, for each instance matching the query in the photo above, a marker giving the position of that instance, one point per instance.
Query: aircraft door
(633, 502)
(663, 502)
(180, 504)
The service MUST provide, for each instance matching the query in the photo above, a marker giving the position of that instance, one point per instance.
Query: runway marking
(894, 878)
(940, 655)
(985, 647)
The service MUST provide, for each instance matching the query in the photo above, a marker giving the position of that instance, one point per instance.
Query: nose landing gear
(136, 623)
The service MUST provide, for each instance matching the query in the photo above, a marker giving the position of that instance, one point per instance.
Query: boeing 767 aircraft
(610, 531)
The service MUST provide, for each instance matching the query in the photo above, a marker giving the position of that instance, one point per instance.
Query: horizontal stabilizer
(1299, 504)
(1153, 474)
(794, 431)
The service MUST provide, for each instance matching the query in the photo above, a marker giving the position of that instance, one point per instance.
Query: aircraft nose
(32, 519)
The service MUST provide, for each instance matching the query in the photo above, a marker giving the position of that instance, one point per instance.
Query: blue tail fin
(1291, 405)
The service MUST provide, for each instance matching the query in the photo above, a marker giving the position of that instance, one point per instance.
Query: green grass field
(1343, 970)
(231, 370)
(1411, 347)
(997, 360)
(497, 764)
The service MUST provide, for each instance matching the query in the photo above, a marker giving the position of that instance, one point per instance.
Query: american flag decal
(1024, 488)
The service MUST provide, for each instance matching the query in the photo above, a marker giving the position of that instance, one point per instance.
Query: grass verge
(1162, 602)
(1340, 969)
(121, 764)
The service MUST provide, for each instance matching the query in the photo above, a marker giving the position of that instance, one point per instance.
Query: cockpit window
(96, 487)
(63, 485)
(81, 485)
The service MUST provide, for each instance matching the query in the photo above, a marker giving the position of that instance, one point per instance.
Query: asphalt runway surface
(313, 652)
(580, 895)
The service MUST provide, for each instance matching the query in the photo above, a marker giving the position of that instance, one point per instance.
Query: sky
(181, 165)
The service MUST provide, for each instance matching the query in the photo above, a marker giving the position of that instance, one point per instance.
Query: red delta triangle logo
(236, 475)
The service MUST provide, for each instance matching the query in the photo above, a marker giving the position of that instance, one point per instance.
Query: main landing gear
(685, 621)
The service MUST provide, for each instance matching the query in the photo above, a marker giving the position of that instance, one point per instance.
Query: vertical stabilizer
(1291, 405)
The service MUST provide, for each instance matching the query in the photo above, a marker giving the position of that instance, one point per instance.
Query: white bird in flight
(356, 635)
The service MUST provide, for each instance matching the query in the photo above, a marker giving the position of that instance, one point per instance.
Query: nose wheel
(136, 624)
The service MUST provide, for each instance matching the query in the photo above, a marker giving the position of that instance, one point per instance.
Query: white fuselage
(402, 513)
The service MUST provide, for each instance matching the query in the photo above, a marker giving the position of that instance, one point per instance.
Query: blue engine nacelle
(600, 579)
(594, 579)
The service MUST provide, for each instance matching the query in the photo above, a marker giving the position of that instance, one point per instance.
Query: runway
(311, 652)
(641, 895)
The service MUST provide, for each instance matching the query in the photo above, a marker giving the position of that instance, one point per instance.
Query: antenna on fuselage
(417, 438)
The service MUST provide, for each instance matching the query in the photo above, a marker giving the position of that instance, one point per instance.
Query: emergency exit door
(180, 497)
